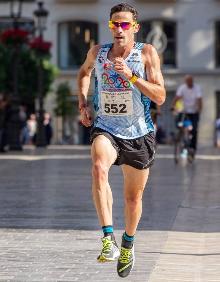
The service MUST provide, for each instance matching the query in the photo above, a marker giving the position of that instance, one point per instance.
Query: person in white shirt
(191, 95)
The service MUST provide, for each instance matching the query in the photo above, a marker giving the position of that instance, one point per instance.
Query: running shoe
(110, 250)
(126, 260)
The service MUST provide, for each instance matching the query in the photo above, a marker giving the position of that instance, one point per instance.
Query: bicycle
(182, 139)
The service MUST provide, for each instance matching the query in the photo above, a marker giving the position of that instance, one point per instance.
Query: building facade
(185, 32)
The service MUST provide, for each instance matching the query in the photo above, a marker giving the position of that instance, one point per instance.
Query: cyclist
(191, 95)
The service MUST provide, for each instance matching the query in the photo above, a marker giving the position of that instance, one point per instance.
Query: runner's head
(124, 7)
(123, 23)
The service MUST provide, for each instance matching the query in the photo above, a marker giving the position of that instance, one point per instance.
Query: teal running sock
(127, 240)
(108, 230)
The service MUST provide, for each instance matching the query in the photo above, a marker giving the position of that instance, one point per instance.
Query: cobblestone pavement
(49, 230)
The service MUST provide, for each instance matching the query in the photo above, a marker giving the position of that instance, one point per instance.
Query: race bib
(117, 103)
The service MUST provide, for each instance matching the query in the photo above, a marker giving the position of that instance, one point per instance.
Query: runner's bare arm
(83, 79)
(154, 86)
(84, 75)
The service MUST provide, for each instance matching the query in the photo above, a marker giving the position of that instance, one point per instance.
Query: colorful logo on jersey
(108, 66)
(114, 81)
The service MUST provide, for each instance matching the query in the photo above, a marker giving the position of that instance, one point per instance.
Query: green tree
(4, 68)
(64, 104)
(28, 53)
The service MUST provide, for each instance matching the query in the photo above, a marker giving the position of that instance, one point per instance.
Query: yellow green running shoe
(125, 261)
(110, 250)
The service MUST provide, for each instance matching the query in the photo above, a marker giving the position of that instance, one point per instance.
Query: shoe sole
(104, 259)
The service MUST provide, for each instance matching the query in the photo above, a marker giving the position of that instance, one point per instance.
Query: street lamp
(41, 15)
(14, 124)
(15, 8)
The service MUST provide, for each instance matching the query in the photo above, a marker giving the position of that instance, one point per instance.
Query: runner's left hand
(121, 67)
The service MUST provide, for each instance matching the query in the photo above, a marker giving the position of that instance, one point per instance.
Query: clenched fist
(121, 67)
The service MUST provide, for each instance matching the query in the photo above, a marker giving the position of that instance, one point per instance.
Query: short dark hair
(124, 7)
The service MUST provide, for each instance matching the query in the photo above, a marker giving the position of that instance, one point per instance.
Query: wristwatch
(134, 77)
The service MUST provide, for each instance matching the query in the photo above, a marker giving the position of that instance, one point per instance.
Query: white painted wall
(195, 42)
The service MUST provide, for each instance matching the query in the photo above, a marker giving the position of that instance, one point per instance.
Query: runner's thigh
(134, 179)
(103, 150)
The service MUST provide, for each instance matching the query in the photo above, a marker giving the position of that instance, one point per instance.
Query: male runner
(128, 77)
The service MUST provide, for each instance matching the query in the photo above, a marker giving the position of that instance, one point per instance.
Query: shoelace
(106, 245)
(125, 255)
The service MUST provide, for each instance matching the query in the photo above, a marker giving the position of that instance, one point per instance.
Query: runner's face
(122, 34)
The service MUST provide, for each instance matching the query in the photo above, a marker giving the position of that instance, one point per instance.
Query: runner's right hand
(86, 116)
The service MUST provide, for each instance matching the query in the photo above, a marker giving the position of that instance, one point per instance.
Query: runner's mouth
(119, 37)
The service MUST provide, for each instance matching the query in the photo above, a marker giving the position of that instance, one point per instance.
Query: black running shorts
(138, 153)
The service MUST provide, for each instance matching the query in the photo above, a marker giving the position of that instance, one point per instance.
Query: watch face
(136, 73)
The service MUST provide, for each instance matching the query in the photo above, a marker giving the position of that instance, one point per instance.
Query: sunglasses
(123, 25)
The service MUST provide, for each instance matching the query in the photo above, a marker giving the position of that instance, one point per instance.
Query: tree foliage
(28, 57)
(64, 104)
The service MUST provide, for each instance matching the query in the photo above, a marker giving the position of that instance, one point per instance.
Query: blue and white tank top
(121, 109)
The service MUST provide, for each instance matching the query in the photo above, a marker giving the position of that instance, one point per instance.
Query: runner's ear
(136, 28)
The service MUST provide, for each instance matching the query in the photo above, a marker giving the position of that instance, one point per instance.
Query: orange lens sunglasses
(123, 25)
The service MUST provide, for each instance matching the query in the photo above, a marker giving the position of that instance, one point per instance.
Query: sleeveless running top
(121, 109)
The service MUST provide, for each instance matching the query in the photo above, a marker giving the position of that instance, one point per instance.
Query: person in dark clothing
(48, 128)
(3, 122)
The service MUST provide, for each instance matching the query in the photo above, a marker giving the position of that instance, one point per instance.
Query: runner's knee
(100, 171)
(133, 201)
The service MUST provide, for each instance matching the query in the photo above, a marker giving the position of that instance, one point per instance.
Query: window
(75, 39)
(217, 44)
(162, 35)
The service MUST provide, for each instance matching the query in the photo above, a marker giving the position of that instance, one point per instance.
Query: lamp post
(41, 15)
(14, 123)
(15, 10)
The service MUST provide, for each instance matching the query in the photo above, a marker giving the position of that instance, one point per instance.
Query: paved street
(49, 230)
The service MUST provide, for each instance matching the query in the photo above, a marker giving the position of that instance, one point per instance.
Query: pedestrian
(191, 96)
(4, 116)
(128, 77)
(24, 128)
(32, 129)
(2, 121)
(48, 128)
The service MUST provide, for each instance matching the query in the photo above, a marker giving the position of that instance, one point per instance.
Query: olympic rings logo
(116, 82)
